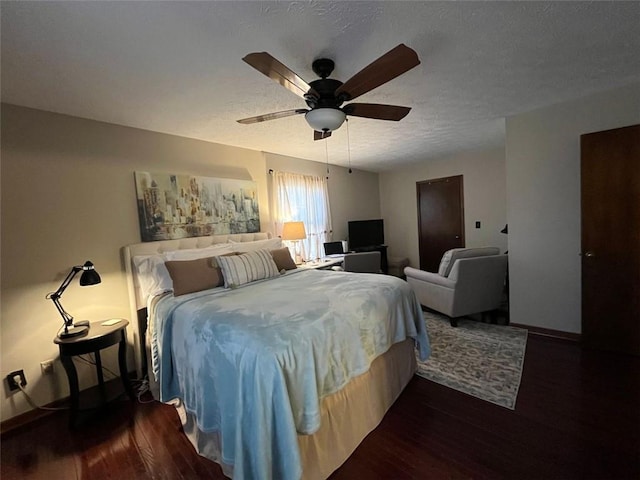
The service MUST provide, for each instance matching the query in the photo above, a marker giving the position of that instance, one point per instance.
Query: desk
(322, 264)
(98, 337)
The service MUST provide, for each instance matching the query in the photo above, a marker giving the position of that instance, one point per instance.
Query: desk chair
(363, 262)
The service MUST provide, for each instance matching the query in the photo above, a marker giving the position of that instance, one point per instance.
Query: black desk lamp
(89, 277)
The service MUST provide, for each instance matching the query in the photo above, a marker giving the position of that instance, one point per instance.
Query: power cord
(142, 389)
(30, 400)
(142, 386)
(91, 361)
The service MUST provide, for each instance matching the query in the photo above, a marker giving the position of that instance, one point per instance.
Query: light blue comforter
(253, 363)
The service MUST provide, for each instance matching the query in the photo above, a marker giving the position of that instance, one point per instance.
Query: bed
(280, 377)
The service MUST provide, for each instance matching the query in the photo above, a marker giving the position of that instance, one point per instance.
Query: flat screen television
(365, 233)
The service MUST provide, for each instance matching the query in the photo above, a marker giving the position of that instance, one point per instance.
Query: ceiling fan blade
(320, 135)
(275, 70)
(389, 66)
(272, 116)
(376, 110)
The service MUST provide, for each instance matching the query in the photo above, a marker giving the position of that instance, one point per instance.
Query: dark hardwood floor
(577, 417)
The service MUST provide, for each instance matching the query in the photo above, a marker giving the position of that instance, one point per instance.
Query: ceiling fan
(325, 96)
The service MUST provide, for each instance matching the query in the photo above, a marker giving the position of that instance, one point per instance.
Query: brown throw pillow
(194, 275)
(282, 257)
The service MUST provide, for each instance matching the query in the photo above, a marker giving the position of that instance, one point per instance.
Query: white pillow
(196, 253)
(152, 275)
(269, 244)
(247, 267)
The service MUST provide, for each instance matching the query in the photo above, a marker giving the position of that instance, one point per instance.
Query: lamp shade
(325, 119)
(293, 231)
(89, 275)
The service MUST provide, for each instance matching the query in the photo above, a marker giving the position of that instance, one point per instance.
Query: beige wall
(543, 197)
(68, 195)
(484, 200)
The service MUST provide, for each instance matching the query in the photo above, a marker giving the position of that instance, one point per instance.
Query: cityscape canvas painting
(178, 206)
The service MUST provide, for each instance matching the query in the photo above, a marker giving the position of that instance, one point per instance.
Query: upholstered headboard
(137, 304)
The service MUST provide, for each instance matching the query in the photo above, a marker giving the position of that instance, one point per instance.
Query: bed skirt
(348, 415)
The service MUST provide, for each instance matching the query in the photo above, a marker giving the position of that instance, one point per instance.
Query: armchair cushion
(430, 277)
(450, 257)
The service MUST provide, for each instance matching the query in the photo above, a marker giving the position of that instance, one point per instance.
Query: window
(303, 198)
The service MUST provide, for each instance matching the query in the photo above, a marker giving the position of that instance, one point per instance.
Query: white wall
(68, 195)
(484, 200)
(543, 198)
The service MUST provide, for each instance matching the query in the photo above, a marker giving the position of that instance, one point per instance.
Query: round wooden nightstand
(99, 337)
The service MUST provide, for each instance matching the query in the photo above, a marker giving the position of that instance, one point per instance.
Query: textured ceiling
(176, 67)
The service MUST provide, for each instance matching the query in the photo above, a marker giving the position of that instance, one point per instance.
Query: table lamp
(89, 277)
(294, 231)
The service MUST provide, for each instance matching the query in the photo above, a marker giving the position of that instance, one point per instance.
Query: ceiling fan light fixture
(325, 119)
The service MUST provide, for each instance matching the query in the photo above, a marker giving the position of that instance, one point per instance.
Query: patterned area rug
(475, 358)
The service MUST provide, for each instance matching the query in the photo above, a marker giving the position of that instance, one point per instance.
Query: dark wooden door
(610, 168)
(440, 219)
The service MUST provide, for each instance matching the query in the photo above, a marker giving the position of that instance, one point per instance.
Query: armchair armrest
(428, 277)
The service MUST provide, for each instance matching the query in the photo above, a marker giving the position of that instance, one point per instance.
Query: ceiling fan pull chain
(326, 151)
(348, 145)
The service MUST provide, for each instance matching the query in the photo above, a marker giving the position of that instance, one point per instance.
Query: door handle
(588, 254)
(457, 237)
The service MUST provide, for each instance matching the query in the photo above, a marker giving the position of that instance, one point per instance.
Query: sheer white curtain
(303, 198)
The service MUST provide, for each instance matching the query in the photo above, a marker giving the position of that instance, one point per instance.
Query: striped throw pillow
(248, 267)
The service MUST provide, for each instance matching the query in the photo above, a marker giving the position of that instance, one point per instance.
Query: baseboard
(546, 332)
(23, 419)
(26, 418)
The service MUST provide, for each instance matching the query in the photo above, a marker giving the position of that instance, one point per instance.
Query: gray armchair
(363, 262)
(469, 280)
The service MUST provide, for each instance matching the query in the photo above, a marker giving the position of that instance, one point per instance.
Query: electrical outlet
(13, 383)
(46, 367)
